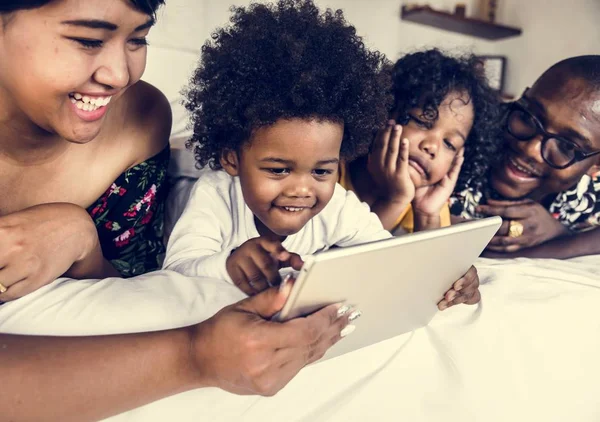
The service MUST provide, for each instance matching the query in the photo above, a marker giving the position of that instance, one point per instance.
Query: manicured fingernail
(286, 285)
(458, 286)
(354, 315)
(450, 296)
(443, 305)
(348, 330)
(343, 310)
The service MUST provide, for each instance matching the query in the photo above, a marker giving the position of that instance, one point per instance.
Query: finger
(256, 278)
(19, 289)
(509, 203)
(12, 274)
(470, 277)
(273, 247)
(502, 248)
(456, 166)
(495, 255)
(509, 212)
(469, 291)
(323, 325)
(242, 281)
(402, 162)
(330, 337)
(239, 279)
(457, 301)
(474, 298)
(267, 268)
(503, 230)
(294, 261)
(266, 303)
(393, 149)
(380, 145)
(506, 241)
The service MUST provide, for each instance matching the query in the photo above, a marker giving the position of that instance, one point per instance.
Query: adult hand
(464, 290)
(241, 351)
(254, 266)
(41, 243)
(388, 165)
(429, 200)
(539, 225)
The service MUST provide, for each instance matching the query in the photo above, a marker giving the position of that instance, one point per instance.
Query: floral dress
(577, 208)
(129, 217)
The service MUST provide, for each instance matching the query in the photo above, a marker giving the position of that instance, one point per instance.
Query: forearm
(587, 243)
(426, 222)
(89, 378)
(93, 266)
(199, 263)
(388, 211)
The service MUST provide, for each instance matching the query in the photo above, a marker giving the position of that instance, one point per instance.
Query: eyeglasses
(557, 152)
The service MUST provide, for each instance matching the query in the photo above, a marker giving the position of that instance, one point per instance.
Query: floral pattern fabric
(129, 217)
(577, 208)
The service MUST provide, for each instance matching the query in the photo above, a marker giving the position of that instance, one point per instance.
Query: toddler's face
(434, 144)
(288, 172)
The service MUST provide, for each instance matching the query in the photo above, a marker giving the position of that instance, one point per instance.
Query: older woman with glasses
(546, 186)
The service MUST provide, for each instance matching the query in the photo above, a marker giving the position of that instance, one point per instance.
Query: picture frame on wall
(495, 71)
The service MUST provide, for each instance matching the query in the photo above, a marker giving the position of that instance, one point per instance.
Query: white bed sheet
(529, 352)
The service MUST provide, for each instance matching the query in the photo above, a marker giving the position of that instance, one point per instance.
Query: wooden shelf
(425, 15)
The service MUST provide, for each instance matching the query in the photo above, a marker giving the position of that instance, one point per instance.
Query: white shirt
(216, 220)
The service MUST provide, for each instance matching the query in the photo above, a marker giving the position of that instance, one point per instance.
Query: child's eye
(449, 145)
(278, 171)
(420, 123)
(88, 43)
(322, 172)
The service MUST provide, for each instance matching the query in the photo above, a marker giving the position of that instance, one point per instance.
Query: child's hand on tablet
(464, 290)
(254, 266)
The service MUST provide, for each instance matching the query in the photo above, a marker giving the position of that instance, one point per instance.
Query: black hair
(282, 61)
(424, 79)
(8, 6)
(586, 68)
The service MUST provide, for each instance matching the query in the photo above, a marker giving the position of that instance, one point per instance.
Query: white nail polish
(354, 315)
(343, 311)
(348, 330)
(285, 281)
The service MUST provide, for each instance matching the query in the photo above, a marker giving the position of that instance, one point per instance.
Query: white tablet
(396, 283)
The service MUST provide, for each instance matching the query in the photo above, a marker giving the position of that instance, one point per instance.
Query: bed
(528, 352)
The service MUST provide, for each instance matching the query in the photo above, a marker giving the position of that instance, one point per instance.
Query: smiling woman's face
(569, 109)
(67, 62)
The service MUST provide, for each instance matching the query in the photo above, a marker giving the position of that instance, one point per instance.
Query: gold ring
(515, 229)
(3, 288)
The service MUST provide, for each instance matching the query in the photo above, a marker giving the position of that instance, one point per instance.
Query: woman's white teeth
(293, 209)
(86, 103)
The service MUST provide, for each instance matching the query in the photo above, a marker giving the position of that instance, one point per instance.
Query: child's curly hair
(423, 79)
(281, 61)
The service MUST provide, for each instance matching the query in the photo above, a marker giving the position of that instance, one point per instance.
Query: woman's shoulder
(145, 120)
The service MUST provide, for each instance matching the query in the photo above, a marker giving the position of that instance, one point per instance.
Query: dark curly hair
(282, 61)
(423, 79)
